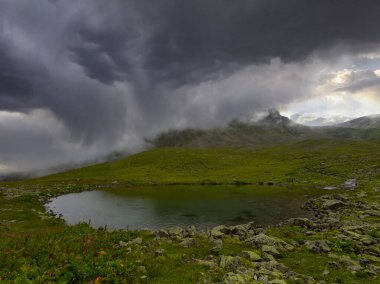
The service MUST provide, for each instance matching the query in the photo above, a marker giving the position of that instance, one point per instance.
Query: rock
(330, 188)
(347, 262)
(364, 261)
(229, 262)
(318, 246)
(367, 241)
(277, 281)
(240, 230)
(350, 184)
(371, 258)
(251, 256)
(162, 233)
(218, 244)
(232, 278)
(137, 241)
(121, 244)
(325, 272)
(218, 231)
(159, 252)
(302, 222)
(271, 250)
(332, 204)
(175, 232)
(262, 239)
(191, 231)
(187, 242)
(208, 263)
(332, 264)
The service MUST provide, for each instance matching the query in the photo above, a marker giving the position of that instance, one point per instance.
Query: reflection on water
(160, 207)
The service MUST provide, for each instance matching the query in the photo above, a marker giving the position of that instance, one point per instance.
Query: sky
(79, 79)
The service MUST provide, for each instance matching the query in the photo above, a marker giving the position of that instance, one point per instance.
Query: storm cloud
(106, 74)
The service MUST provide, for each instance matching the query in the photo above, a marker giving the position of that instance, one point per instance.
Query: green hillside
(307, 162)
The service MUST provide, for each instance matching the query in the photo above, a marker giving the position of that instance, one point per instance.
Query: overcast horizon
(79, 79)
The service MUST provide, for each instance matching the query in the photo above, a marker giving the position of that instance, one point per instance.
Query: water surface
(162, 207)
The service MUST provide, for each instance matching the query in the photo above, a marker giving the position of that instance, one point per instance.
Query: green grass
(36, 247)
(305, 163)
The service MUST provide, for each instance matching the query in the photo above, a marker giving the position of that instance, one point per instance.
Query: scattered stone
(332, 204)
(187, 242)
(218, 244)
(252, 256)
(137, 241)
(232, 278)
(218, 231)
(229, 262)
(262, 239)
(318, 246)
(277, 281)
(302, 222)
(347, 262)
(159, 252)
(350, 184)
(271, 250)
(208, 263)
(162, 233)
(175, 232)
(330, 188)
(121, 244)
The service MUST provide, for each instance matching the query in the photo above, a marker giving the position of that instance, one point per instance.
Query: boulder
(137, 241)
(232, 278)
(347, 262)
(230, 262)
(350, 184)
(332, 204)
(262, 239)
(175, 232)
(159, 252)
(251, 256)
(301, 222)
(271, 250)
(188, 242)
(318, 246)
(218, 231)
(208, 263)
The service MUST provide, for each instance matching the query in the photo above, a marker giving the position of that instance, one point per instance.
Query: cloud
(104, 74)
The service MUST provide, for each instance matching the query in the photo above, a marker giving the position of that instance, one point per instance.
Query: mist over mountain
(365, 122)
(272, 129)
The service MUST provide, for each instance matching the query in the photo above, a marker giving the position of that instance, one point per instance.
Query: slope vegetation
(305, 162)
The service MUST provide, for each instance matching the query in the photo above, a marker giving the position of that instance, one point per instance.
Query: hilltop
(271, 130)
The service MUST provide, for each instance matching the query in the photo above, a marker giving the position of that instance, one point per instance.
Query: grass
(39, 248)
(314, 162)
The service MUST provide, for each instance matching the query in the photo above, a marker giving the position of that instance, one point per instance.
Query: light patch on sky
(333, 101)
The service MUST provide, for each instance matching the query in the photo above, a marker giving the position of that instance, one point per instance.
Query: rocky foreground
(345, 229)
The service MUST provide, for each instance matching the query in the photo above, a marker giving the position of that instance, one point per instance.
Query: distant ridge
(271, 130)
(364, 122)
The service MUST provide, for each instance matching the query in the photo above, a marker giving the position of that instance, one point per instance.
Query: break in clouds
(83, 78)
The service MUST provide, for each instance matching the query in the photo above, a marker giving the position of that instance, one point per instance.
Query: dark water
(161, 207)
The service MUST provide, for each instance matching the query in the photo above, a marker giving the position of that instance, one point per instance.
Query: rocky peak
(274, 117)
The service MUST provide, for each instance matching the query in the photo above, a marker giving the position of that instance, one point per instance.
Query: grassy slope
(59, 256)
(308, 162)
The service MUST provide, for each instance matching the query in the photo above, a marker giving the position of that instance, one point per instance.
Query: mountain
(271, 130)
(364, 122)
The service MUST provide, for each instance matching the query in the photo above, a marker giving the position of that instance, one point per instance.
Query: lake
(161, 207)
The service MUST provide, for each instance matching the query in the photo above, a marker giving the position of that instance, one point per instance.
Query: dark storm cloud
(185, 40)
(110, 69)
